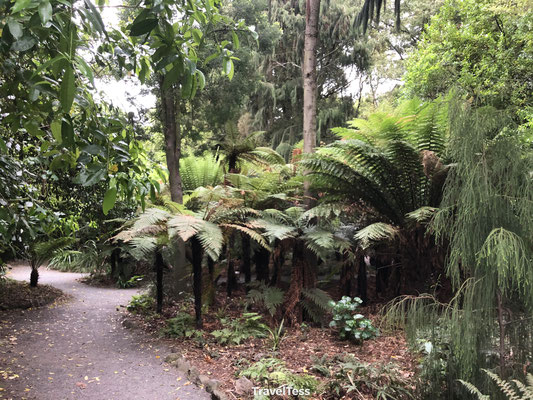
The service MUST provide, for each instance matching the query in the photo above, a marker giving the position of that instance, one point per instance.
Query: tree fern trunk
(262, 258)
(278, 259)
(197, 255)
(246, 260)
(34, 276)
(159, 265)
(362, 285)
(231, 281)
(302, 276)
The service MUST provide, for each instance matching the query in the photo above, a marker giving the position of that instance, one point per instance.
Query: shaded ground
(19, 295)
(78, 349)
(300, 349)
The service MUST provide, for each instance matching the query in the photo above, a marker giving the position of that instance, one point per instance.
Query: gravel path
(79, 350)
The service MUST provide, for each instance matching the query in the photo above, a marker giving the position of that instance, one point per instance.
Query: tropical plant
(388, 174)
(41, 252)
(141, 304)
(198, 172)
(350, 325)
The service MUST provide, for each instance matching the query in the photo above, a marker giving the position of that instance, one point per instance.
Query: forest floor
(78, 349)
(383, 364)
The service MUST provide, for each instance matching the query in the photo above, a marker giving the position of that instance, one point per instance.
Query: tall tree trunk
(197, 255)
(246, 259)
(262, 258)
(159, 265)
(231, 281)
(169, 116)
(312, 12)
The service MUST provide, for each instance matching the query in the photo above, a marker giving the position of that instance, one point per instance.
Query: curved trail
(79, 350)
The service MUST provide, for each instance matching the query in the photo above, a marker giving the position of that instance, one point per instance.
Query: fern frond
(251, 233)
(376, 232)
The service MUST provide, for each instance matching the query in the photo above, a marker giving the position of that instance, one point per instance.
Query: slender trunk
(262, 258)
(312, 12)
(501, 324)
(169, 116)
(159, 265)
(197, 255)
(231, 281)
(115, 260)
(278, 259)
(362, 285)
(246, 260)
(212, 288)
(34, 276)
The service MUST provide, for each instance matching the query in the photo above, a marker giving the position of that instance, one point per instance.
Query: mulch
(19, 295)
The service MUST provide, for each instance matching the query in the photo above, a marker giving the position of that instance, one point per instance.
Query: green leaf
(20, 5)
(94, 16)
(85, 69)
(55, 127)
(67, 90)
(142, 26)
(23, 44)
(201, 79)
(33, 128)
(172, 76)
(228, 68)
(15, 28)
(110, 198)
(3, 147)
(45, 11)
(236, 43)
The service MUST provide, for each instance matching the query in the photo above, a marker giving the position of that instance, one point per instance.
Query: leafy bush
(141, 304)
(182, 325)
(273, 372)
(236, 331)
(382, 382)
(355, 327)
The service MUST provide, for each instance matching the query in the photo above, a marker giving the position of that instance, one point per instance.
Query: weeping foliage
(487, 217)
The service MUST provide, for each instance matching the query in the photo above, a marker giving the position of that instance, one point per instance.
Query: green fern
(316, 303)
(268, 296)
(521, 392)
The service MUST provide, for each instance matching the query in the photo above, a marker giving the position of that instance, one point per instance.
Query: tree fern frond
(374, 233)
(474, 390)
(251, 233)
(210, 235)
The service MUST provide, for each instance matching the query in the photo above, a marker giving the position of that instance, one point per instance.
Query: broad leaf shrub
(351, 326)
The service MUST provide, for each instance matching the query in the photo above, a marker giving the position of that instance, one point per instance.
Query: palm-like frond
(201, 171)
(375, 233)
(43, 251)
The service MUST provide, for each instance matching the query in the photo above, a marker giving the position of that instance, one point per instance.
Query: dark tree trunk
(278, 259)
(197, 255)
(169, 116)
(302, 276)
(115, 260)
(212, 284)
(159, 266)
(246, 259)
(347, 280)
(231, 282)
(34, 276)
(362, 286)
(262, 258)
